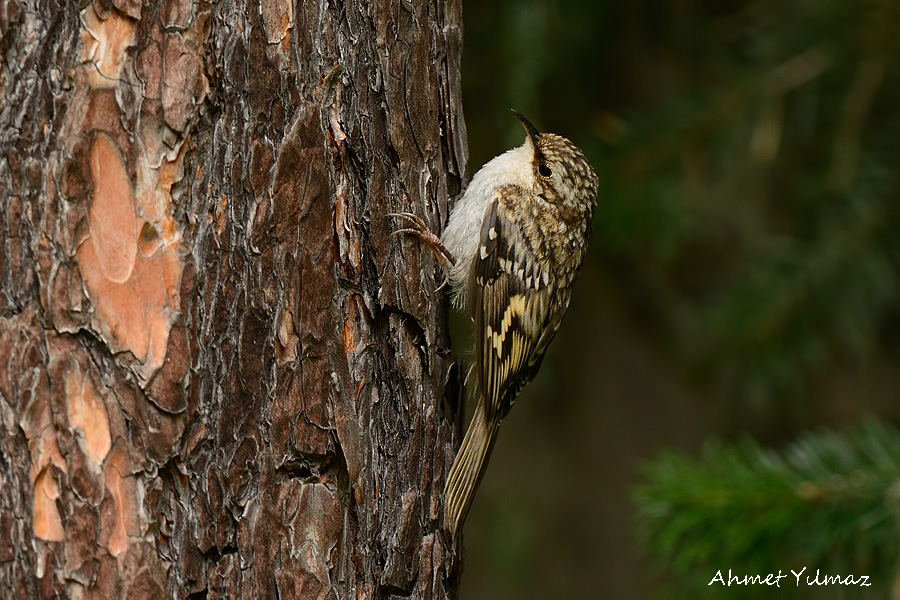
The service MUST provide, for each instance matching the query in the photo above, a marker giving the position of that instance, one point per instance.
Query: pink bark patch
(135, 295)
(88, 414)
(125, 517)
(47, 524)
(112, 220)
(104, 43)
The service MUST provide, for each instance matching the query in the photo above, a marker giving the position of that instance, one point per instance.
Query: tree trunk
(222, 377)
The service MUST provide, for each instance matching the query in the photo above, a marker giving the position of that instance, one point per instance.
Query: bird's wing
(514, 304)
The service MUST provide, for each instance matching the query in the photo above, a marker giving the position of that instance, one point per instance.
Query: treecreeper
(512, 248)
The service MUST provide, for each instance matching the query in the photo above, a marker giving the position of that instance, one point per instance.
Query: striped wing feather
(516, 313)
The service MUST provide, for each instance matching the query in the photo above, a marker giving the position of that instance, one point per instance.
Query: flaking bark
(221, 376)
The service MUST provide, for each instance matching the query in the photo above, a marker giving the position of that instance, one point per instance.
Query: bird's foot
(418, 228)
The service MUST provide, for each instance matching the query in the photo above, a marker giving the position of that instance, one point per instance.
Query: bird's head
(561, 171)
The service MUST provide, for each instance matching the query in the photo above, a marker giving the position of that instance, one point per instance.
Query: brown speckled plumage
(517, 239)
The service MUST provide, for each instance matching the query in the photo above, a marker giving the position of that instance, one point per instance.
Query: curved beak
(533, 134)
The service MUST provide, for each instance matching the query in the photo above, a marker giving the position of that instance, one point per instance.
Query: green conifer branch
(829, 501)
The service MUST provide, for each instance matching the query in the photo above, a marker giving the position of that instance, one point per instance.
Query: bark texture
(221, 376)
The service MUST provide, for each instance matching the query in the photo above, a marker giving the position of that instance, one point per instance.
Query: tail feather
(468, 468)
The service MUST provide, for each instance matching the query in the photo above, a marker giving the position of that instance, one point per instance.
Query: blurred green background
(743, 275)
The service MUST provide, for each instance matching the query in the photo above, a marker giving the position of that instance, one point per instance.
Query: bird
(512, 248)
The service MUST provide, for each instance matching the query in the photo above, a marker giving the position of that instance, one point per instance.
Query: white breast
(513, 167)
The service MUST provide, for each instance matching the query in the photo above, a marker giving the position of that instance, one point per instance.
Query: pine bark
(220, 375)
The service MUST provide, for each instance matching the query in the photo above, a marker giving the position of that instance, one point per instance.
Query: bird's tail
(467, 469)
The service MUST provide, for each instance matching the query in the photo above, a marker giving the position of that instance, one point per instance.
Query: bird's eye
(544, 170)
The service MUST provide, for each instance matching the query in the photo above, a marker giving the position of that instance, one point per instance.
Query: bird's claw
(414, 220)
(443, 283)
(419, 229)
